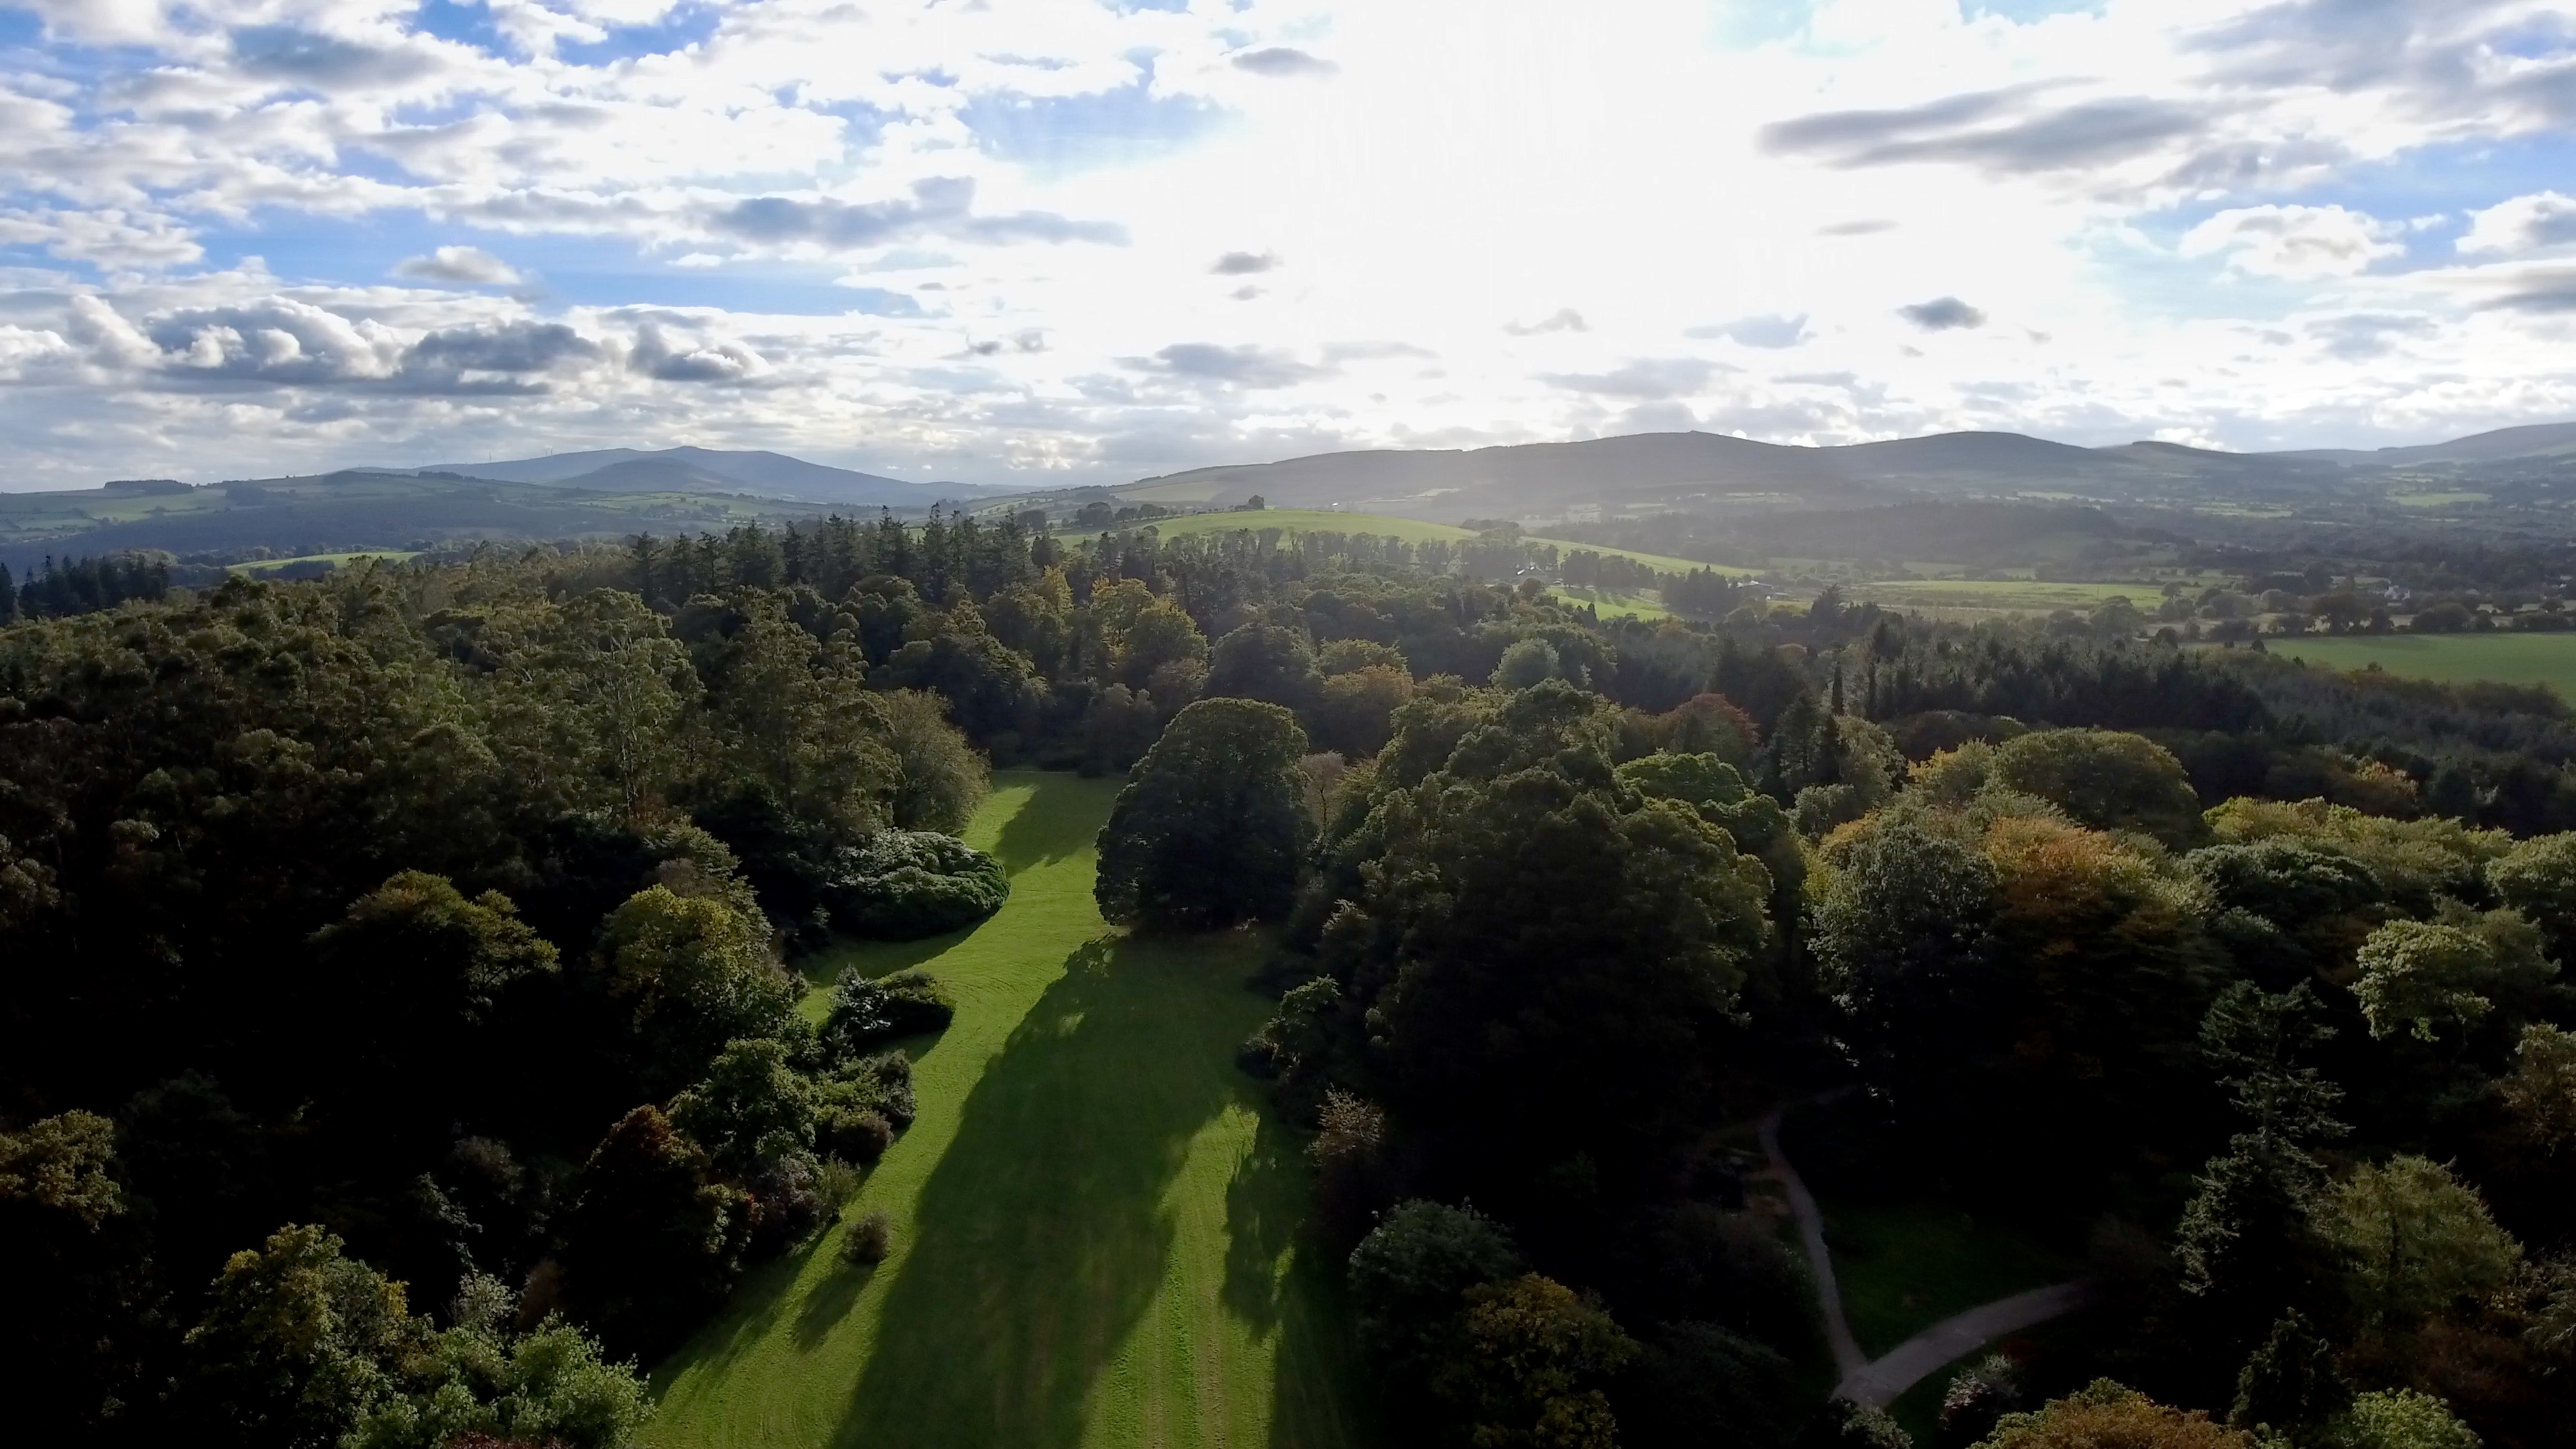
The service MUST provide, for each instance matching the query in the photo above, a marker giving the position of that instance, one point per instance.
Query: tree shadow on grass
(1316, 1398)
(1041, 1236)
(873, 959)
(1052, 825)
(831, 1301)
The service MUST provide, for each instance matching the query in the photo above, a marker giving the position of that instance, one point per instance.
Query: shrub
(854, 1134)
(881, 1083)
(1977, 1397)
(837, 1180)
(1842, 1424)
(870, 1239)
(903, 885)
(2105, 1413)
(2402, 1419)
(865, 1012)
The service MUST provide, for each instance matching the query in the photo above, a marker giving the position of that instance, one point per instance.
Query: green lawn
(2505, 658)
(1904, 1268)
(1094, 1216)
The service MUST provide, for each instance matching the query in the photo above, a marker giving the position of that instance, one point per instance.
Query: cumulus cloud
(1248, 365)
(1942, 314)
(664, 358)
(1998, 130)
(1651, 378)
(2292, 242)
(1244, 264)
(1282, 60)
(1564, 319)
(462, 266)
(2360, 336)
(2523, 224)
(1768, 331)
(938, 204)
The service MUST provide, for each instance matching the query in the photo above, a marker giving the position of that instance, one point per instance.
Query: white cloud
(1534, 199)
(464, 266)
(2523, 224)
(2292, 242)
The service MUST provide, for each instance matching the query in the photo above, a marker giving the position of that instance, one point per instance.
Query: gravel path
(1877, 1384)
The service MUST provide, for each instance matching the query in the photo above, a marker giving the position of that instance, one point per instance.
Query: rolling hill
(770, 475)
(1714, 472)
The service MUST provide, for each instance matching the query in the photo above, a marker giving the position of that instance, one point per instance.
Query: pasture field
(1095, 1216)
(1611, 603)
(2548, 659)
(1308, 520)
(343, 560)
(1382, 525)
(1998, 596)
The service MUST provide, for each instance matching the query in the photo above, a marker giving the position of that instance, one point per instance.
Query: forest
(402, 1041)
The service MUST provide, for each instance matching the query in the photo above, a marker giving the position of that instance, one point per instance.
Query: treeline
(429, 925)
(2295, 1076)
(82, 585)
(425, 926)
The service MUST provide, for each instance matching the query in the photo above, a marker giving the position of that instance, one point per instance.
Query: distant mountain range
(1710, 469)
(2525, 474)
(707, 470)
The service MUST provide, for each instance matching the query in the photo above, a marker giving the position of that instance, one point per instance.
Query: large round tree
(1211, 830)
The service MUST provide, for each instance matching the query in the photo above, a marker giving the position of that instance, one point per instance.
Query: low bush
(870, 1239)
(866, 1012)
(854, 1134)
(881, 1083)
(903, 885)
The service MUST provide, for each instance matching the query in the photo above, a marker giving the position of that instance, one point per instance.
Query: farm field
(1611, 603)
(343, 560)
(2014, 596)
(2548, 659)
(1094, 1214)
(1411, 530)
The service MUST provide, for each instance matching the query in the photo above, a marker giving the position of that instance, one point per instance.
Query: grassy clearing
(1611, 603)
(1094, 1216)
(343, 560)
(1310, 520)
(2548, 659)
(1905, 1268)
(2000, 595)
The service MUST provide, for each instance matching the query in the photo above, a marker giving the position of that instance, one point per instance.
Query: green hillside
(2548, 659)
(1094, 1216)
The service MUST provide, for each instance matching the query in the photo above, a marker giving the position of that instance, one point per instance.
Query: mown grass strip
(1095, 1217)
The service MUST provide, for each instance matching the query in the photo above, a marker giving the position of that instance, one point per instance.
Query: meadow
(2548, 659)
(1998, 596)
(1095, 1215)
(1411, 530)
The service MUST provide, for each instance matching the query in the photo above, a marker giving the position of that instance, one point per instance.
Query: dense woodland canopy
(400, 1033)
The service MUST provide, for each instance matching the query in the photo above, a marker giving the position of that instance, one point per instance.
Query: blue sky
(1076, 241)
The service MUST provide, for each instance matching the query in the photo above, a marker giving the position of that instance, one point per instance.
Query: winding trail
(1848, 1359)
(1878, 1383)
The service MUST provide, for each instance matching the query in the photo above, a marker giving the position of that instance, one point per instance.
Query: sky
(1049, 242)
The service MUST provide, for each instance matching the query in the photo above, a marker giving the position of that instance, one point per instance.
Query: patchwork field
(2548, 659)
(1095, 1217)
